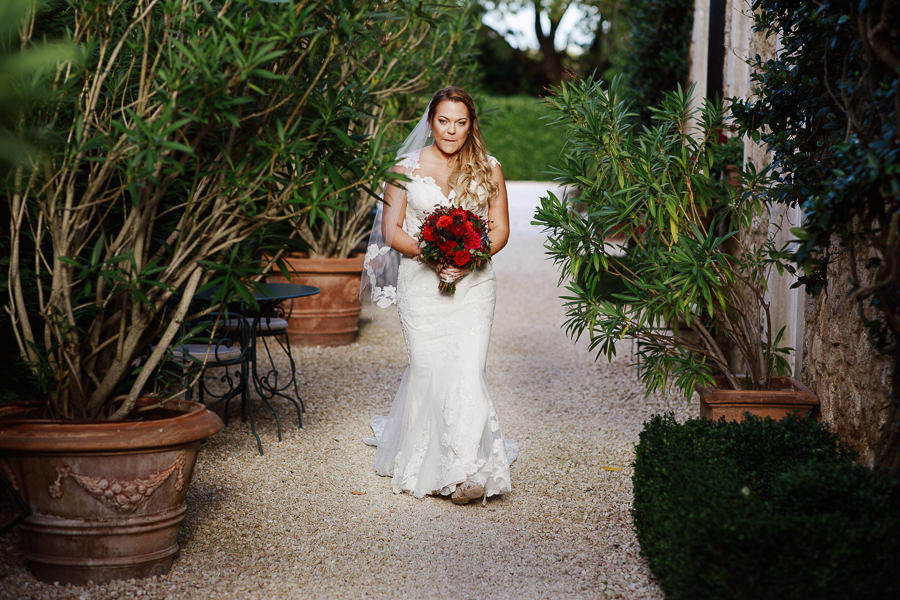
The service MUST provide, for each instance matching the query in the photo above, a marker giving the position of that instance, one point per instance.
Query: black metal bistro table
(268, 321)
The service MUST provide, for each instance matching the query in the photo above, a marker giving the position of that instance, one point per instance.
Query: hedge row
(763, 509)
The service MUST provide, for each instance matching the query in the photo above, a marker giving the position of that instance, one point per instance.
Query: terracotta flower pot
(106, 498)
(733, 175)
(331, 317)
(785, 396)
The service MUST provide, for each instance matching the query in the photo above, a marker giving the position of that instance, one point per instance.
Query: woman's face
(450, 126)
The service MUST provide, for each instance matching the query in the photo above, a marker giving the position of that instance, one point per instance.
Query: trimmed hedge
(658, 59)
(519, 135)
(762, 509)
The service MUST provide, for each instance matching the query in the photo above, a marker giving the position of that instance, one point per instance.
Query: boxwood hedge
(763, 509)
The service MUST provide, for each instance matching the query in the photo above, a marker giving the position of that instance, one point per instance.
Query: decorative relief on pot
(118, 494)
(350, 293)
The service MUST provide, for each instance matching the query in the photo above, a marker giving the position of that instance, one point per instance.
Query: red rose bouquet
(455, 237)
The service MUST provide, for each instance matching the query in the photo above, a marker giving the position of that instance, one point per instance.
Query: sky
(518, 29)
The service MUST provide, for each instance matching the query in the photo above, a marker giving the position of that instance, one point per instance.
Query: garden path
(311, 519)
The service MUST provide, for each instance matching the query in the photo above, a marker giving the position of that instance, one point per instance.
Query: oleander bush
(188, 137)
(23, 82)
(685, 283)
(762, 509)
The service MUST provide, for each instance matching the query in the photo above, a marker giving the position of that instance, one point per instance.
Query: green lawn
(518, 137)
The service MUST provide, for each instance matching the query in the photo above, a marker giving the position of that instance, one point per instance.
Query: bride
(442, 435)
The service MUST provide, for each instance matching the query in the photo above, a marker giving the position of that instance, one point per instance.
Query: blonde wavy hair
(471, 175)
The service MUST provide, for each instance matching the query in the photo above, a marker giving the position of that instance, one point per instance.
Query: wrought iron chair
(210, 344)
(268, 334)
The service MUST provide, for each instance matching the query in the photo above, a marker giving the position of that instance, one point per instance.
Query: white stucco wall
(699, 54)
(787, 304)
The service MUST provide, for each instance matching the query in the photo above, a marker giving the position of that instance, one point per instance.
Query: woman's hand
(446, 272)
(451, 274)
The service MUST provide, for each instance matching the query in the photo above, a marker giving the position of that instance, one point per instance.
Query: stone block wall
(840, 366)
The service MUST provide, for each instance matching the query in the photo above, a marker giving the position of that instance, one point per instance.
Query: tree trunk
(598, 56)
(551, 59)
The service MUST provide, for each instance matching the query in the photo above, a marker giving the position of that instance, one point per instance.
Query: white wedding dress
(442, 428)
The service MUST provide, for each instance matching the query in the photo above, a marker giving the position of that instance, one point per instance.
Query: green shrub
(762, 509)
(195, 134)
(520, 137)
(659, 43)
(683, 266)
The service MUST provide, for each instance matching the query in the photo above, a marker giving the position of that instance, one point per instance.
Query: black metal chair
(270, 326)
(264, 326)
(210, 345)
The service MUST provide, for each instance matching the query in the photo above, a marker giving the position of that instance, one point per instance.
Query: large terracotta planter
(106, 499)
(331, 317)
(785, 396)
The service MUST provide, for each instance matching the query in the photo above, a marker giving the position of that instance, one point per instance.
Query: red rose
(444, 221)
(473, 241)
(447, 248)
(459, 212)
(460, 257)
(469, 226)
(428, 234)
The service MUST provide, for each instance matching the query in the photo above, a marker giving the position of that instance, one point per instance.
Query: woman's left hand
(451, 274)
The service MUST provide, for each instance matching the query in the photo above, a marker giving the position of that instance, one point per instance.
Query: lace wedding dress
(442, 428)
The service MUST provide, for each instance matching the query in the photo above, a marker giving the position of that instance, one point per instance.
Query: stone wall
(851, 380)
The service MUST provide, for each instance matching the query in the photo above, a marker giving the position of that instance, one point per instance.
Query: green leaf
(97, 250)
(800, 233)
(68, 261)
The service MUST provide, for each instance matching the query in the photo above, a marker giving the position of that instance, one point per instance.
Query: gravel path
(310, 519)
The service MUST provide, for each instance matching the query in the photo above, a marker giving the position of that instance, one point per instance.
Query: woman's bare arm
(498, 214)
(392, 223)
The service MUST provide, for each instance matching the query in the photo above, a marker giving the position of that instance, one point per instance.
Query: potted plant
(427, 48)
(727, 156)
(184, 135)
(689, 282)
